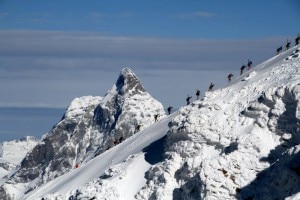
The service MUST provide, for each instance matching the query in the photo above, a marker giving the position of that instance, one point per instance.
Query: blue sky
(54, 51)
(166, 18)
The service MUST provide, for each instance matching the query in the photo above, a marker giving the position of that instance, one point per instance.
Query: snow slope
(133, 146)
(90, 126)
(238, 142)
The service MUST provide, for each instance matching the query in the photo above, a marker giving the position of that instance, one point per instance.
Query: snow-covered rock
(90, 126)
(13, 152)
(240, 142)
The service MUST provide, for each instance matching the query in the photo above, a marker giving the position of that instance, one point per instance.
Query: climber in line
(242, 69)
(156, 117)
(249, 64)
(229, 77)
(211, 87)
(198, 94)
(169, 109)
(188, 100)
(279, 50)
(137, 128)
(287, 46)
(297, 40)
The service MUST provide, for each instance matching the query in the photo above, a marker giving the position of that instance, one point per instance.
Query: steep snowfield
(90, 127)
(238, 142)
(126, 178)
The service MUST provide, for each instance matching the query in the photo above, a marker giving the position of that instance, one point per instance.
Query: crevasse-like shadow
(154, 152)
(282, 178)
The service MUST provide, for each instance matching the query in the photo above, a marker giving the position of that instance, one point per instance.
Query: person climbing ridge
(297, 40)
(249, 64)
(211, 87)
(242, 69)
(156, 117)
(116, 142)
(169, 109)
(198, 94)
(287, 46)
(188, 100)
(279, 50)
(137, 128)
(229, 77)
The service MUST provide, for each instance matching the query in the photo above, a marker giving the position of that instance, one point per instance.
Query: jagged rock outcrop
(239, 142)
(90, 126)
(125, 108)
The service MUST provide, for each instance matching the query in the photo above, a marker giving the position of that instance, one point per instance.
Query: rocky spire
(128, 82)
(90, 126)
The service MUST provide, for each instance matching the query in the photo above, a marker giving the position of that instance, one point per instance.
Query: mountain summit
(237, 142)
(90, 126)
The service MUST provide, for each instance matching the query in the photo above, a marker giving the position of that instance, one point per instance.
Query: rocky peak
(128, 82)
(126, 106)
(89, 127)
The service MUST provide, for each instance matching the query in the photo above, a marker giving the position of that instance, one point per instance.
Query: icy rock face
(65, 145)
(90, 126)
(125, 107)
(240, 142)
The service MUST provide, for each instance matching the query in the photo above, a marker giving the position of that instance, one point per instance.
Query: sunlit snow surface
(237, 142)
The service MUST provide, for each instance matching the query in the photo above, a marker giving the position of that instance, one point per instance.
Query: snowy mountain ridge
(238, 142)
(90, 126)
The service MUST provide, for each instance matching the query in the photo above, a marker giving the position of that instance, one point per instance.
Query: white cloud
(52, 67)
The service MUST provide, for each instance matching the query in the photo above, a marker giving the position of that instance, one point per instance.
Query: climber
(279, 50)
(156, 117)
(229, 77)
(287, 46)
(198, 94)
(297, 40)
(77, 165)
(116, 142)
(121, 139)
(211, 87)
(188, 100)
(169, 109)
(242, 69)
(249, 64)
(137, 128)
